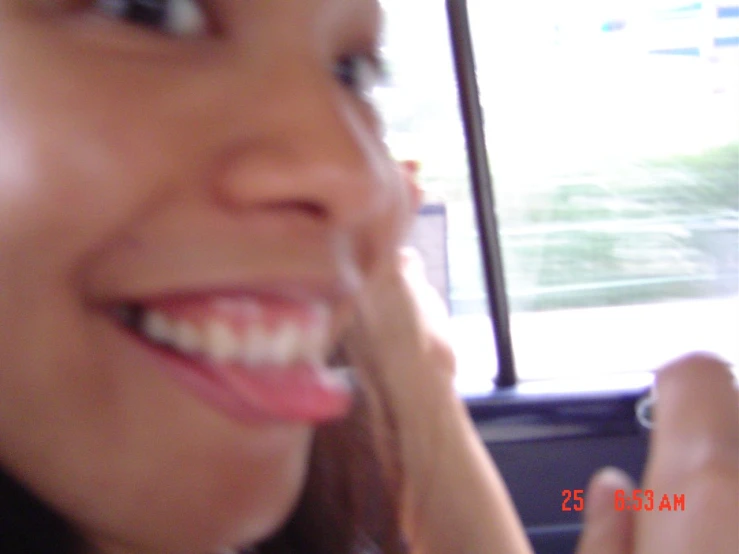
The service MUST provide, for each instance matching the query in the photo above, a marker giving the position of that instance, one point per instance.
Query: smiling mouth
(237, 333)
(252, 355)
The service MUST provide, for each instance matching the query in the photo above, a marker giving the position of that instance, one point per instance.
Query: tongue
(301, 391)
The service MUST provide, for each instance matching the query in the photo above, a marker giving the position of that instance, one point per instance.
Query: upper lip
(334, 291)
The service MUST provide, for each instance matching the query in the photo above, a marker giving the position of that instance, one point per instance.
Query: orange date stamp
(637, 500)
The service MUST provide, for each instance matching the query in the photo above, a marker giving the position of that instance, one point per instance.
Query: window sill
(558, 409)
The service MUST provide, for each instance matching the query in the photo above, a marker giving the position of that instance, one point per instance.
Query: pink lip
(332, 291)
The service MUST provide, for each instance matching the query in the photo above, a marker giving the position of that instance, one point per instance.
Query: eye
(361, 73)
(182, 18)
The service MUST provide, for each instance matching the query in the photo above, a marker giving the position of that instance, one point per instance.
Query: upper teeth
(254, 345)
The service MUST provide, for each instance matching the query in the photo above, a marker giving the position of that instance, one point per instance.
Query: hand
(694, 451)
(400, 338)
(448, 482)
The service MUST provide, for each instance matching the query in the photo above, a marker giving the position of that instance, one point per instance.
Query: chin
(201, 525)
(199, 508)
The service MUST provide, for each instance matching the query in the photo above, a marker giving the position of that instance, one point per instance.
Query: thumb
(607, 530)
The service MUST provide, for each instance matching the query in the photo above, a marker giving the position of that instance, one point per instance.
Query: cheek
(77, 155)
(61, 192)
(74, 169)
(57, 194)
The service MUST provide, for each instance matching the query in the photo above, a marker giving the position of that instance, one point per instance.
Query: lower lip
(297, 393)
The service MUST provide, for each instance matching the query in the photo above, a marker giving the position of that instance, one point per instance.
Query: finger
(694, 457)
(410, 170)
(427, 298)
(412, 262)
(607, 530)
(696, 416)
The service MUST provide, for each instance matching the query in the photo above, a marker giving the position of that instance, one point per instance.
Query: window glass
(613, 136)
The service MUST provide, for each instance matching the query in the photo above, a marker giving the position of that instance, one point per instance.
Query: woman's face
(191, 195)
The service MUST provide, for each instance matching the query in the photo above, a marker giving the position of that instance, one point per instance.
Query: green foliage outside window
(661, 229)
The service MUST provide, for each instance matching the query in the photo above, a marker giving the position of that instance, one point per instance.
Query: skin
(135, 163)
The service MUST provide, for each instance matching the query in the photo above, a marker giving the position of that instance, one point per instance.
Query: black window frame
(482, 189)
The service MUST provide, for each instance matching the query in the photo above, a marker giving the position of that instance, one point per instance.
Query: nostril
(313, 209)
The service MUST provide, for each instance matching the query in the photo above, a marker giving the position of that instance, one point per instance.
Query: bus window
(613, 144)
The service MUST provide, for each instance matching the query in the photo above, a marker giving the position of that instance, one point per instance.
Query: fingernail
(645, 408)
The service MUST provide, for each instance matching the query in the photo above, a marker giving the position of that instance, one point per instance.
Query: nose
(299, 139)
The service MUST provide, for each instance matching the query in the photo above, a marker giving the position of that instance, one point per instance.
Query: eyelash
(360, 73)
(349, 73)
(181, 18)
